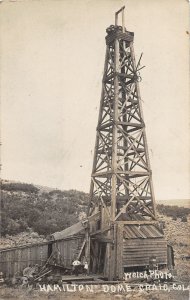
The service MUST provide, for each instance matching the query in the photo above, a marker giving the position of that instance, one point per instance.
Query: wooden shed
(134, 245)
(67, 244)
(142, 242)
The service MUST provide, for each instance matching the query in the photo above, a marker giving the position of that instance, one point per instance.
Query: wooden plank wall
(68, 249)
(13, 261)
(137, 252)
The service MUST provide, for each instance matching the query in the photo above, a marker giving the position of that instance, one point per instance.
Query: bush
(13, 227)
(24, 187)
(184, 219)
(173, 211)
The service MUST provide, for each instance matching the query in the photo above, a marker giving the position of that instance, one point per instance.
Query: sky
(52, 58)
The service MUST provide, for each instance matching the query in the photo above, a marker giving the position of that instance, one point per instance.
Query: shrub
(173, 211)
(184, 219)
(24, 187)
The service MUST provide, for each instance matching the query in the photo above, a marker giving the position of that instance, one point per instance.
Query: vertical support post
(115, 133)
(112, 267)
(87, 246)
(125, 120)
(112, 248)
(116, 19)
(121, 10)
(119, 258)
(123, 18)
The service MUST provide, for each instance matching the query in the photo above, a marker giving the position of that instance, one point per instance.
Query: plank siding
(137, 252)
(14, 260)
(68, 249)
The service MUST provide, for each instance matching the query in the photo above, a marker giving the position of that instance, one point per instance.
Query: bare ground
(25, 294)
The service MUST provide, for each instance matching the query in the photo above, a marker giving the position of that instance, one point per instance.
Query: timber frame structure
(123, 231)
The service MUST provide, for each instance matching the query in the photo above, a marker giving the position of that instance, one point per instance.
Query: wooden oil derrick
(121, 191)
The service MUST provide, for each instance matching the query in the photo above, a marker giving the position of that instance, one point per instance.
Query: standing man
(85, 267)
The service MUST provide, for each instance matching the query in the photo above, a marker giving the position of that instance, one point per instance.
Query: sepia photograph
(94, 149)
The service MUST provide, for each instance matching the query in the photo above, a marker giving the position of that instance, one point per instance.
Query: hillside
(175, 202)
(26, 207)
(33, 212)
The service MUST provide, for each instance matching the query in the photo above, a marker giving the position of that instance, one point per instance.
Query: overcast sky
(52, 57)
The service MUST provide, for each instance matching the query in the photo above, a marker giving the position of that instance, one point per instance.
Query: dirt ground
(27, 294)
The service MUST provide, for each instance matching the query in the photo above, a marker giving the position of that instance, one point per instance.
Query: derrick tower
(121, 191)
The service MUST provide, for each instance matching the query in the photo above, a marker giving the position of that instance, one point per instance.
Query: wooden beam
(131, 173)
(137, 222)
(103, 239)
(119, 256)
(95, 216)
(130, 124)
(81, 249)
(100, 231)
(125, 198)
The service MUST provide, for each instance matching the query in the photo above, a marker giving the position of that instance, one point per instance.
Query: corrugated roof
(70, 231)
(141, 231)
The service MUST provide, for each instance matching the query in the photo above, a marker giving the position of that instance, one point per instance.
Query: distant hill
(178, 202)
